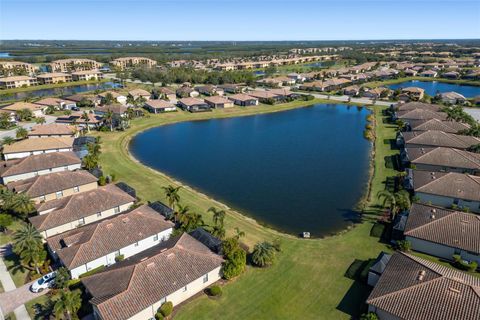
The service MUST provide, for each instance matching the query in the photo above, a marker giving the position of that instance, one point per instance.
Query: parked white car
(45, 282)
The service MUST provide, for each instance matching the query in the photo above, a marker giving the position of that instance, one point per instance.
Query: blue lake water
(57, 91)
(432, 87)
(298, 170)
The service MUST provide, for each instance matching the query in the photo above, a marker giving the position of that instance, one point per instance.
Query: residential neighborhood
(113, 204)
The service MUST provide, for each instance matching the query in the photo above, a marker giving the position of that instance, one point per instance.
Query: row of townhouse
(49, 78)
(245, 65)
(443, 177)
(100, 229)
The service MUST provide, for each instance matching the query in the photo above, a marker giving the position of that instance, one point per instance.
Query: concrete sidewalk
(9, 286)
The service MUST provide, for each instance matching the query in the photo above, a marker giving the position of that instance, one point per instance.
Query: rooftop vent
(454, 290)
(151, 264)
(125, 220)
(421, 274)
(109, 225)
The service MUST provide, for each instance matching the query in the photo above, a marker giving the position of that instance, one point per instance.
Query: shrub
(263, 254)
(166, 309)
(159, 316)
(377, 230)
(369, 316)
(93, 271)
(215, 291)
(119, 258)
(102, 181)
(404, 245)
(464, 265)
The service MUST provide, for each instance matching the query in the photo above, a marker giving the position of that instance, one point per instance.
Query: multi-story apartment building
(128, 62)
(69, 65)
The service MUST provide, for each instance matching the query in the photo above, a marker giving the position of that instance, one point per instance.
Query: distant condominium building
(11, 68)
(54, 77)
(127, 62)
(17, 82)
(68, 65)
(87, 75)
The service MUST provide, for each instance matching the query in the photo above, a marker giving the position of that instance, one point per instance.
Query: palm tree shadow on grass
(14, 264)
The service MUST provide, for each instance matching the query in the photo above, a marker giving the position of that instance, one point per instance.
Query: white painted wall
(127, 252)
(89, 219)
(447, 202)
(439, 250)
(32, 174)
(18, 155)
(179, 296)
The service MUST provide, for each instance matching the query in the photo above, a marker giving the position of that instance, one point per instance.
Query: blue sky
(238, 20)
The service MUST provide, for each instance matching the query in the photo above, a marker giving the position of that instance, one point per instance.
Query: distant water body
(298, 170)
(432, 87)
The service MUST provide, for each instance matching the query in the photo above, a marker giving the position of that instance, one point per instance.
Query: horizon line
(219, 40)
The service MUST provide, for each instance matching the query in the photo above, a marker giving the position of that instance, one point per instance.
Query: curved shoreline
(359, 205)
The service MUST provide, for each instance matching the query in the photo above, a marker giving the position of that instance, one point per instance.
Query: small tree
(263, 254)
(21, 133)
(369, 316)
(62, 278)
(235, 258)
(5, 221)
(67, 303)
(404, 245)
(166, 308)
(40, 120)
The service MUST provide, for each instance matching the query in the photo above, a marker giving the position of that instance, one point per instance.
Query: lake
(70, 90)
(298, 170)
(432, 87)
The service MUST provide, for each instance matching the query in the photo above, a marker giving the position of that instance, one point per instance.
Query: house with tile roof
(446, 189)
(108, 241)
(52, 130)
(44, 188)
(67, 213)
(135, 288)
(36, 165)
(193, 105)
(442, 159)
(411, 288)
(243, 100)
(447, 126)
(29, 147)
(159, 106)
(432, 138)
(442, 233)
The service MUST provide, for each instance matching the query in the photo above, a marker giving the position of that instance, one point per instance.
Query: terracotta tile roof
(159, 104)
(418, 105)
(139, 92)
(416, 289)
(38, 162)
(241, 97)
(191, 101)
(17, 106)
(16, 78)
(93, 241)
(262, 94)
(53, 75)
(47, 143)
(129, 287)
(79, 206)
(165, 90)
(448, 157)
(453, 185)
(281, 91)
(115, 108)
(52, 101)
(113, 93)
(51, 183)
(440, 139)
(446, 227)
(52, 129)
(86, 72)
(438, 125)
(421, 114)
(413, 90)
(217, 100)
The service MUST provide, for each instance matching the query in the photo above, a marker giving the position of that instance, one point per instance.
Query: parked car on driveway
(45, 282)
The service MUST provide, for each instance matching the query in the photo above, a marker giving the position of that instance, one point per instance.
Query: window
(65, 168)
(42, 198)
(205, 278)
(99, 214)
(136, 244)
(59, 194)
(184, 288)
(117, 253)
(155, 237)
(76, 189)
(116, 209)
(81, 221)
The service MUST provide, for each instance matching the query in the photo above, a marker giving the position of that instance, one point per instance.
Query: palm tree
(67, 303)
(191, 221)
(86, 118)
(130, 100)
(263, 254)
(239, 233)
(218, 216)
(181, 212)
(8, 140)
(394, 201)
(94, 149)
(6, 198)
(26, 237)
(109, 118)
(22, 204)
(33, 255)
(21, 133)
(218, 231)
(172, 195)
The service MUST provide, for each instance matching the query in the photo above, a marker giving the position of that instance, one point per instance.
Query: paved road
(28, 126)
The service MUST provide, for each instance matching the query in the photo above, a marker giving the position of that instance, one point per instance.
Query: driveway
(11, 300)
(28, 126)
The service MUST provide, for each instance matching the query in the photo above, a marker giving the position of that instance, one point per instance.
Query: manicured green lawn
(17, 271)
(307, 281)
(39, 302)
(6, 237)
